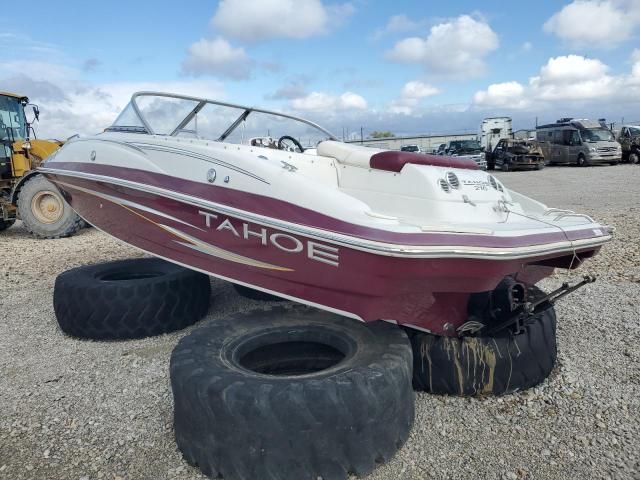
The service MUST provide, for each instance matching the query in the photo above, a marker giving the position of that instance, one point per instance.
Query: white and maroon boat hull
(371, 234)
(306, 256)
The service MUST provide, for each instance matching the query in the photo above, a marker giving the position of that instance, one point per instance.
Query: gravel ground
(84, 410)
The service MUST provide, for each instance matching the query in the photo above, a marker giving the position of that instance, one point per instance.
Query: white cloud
(456, 47)
(565, 80)
(69, 105)
(635, 67)
(572, 77)
(507, 94)
(352, 100)
(598, 23)
(417, 89)
(324, 102)
(571, 69)
(266, 19)
(410, 96)
(217, 57)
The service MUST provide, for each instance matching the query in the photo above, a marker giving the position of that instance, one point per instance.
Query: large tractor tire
(291, 393)
(486, 365)
(44, 212)
(4, 224)
(129, 299)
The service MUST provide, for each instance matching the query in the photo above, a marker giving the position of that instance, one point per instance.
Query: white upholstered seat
(347, 153)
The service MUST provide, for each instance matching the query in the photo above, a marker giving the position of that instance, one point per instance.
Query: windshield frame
(201, 103)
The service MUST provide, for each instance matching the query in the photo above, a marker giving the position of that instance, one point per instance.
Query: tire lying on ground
(129, 299)
(254, 294)
(489, 365)
(291, 393)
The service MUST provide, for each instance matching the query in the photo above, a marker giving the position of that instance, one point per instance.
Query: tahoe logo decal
(282, 241)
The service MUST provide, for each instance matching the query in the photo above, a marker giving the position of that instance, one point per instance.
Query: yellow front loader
(25, 194)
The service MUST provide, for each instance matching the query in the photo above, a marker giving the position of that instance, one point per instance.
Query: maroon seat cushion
(394, 161)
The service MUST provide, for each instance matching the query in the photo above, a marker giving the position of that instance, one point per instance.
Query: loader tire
(4, 224)
(44, 212)
(291, 393)
(486, 365)
(129, 299)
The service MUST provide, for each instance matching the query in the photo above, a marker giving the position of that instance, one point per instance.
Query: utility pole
(361, 136)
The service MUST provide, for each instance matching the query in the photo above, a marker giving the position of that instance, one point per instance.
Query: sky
(409, 67)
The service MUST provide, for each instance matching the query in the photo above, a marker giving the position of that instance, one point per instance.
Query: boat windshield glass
(163, 114)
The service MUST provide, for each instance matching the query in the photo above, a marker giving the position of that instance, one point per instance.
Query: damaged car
(516, 154)
(629, 138)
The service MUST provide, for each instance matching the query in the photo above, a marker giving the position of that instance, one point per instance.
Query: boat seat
(347, 153)
(389, 160)
(393, 161)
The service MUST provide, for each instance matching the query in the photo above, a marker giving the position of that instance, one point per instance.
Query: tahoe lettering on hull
(282, 241)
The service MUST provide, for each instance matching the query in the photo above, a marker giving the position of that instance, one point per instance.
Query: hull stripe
(187, 240)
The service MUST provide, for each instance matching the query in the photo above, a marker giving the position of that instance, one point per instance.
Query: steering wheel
(287, 143)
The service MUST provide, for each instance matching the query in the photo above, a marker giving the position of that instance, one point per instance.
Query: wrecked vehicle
(469, 149)
(512, 154)
(629, 138)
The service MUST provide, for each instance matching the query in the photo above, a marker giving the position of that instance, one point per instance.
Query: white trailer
(493, 129)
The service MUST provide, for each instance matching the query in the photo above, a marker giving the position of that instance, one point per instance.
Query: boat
(367, 233)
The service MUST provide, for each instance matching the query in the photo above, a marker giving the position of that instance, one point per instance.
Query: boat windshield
(176, 115)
